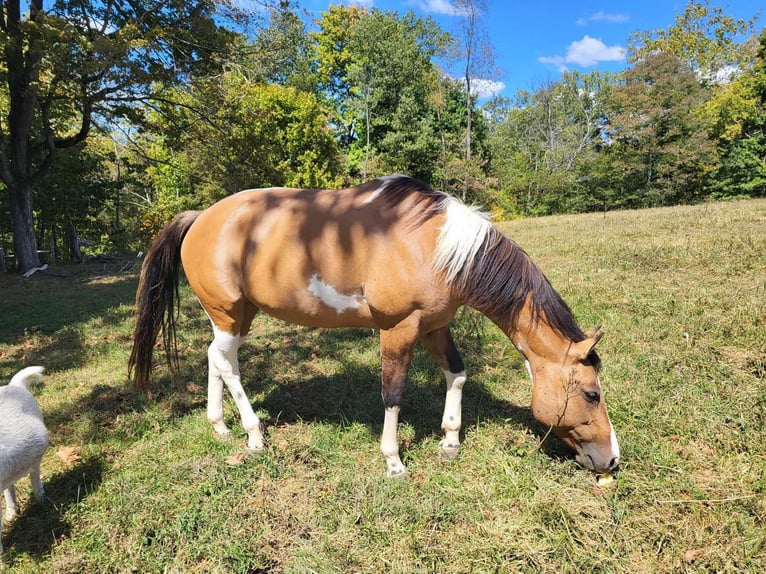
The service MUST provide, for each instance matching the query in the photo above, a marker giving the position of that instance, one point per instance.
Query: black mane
(502, 277)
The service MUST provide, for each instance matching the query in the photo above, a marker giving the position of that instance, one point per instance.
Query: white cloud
(614, 18)
(586, 52)
(557, 61)
(436, 7)
(363, 3)
(486, 88)
(590, 51)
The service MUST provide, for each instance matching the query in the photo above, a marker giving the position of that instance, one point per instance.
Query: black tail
(157, 299)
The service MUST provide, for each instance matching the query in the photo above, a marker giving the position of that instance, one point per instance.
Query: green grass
(681, 293)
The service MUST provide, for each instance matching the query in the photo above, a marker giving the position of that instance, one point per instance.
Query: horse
(393, 255)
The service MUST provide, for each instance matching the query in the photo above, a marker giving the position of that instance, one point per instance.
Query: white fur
(223, 368)
(529, 370)
(452, 418)
(385, 179)
(463, 233)
(23, 436)
(389, 446)
(330, 296)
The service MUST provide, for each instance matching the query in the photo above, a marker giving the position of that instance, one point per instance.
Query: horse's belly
(314, 303)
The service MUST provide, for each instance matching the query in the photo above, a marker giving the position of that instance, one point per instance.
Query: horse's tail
(157, 299)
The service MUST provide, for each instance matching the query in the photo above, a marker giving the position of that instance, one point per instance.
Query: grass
(681, 293)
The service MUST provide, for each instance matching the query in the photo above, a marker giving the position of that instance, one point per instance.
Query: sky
(535, 40)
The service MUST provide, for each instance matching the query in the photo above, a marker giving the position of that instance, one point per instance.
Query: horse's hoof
(448, 451)
(397, 473)
(254, 450)
(222, 436)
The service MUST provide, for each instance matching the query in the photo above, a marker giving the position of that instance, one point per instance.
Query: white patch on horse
(330, 296)
(386, 179)
(529, 370)
(463, 233)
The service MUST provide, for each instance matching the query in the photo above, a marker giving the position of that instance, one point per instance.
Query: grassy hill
(138, 482)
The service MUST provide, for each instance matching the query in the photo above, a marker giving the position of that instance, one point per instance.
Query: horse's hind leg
(11, 506)
(223, 368)
(442, 348)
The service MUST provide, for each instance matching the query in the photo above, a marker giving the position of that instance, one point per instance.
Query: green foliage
(739, 112)
(658, 133)
(545, 139)
(704, 38)
(208, 99)
(378, 73)
(241, 135)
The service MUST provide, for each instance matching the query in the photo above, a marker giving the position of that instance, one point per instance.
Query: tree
(78, 62)
(658, 131)
(478, 57)
(392, 75)
(233, 134)
(541, 144)
(333, 55)
(704, 38)
(282, 53)
(738, 110)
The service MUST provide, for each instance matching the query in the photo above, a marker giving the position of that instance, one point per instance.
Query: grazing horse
(391, 254)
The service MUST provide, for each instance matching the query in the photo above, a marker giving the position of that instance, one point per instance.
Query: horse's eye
(592, 396)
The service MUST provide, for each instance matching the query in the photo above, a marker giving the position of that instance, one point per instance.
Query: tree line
(117, 115)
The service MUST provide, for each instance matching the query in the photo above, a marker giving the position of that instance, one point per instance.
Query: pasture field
(138, 483)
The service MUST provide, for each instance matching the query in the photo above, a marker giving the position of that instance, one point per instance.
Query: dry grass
(682, 295)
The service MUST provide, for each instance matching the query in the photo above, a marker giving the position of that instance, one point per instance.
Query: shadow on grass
(281, 364)
(42, 525)
(292, 391)
(46, 304)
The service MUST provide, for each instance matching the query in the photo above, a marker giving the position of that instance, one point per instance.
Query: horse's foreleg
(442, 348)
(223, 359)
(396, 347)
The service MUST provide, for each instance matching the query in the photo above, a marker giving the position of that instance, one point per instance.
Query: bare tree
(478, 56)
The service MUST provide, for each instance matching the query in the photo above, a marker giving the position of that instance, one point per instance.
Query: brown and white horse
(393, 255)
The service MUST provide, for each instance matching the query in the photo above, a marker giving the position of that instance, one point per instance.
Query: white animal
(23, 438)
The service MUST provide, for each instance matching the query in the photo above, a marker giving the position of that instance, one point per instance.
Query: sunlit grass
(681, 293)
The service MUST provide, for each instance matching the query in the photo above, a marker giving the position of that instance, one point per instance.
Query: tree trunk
(24, 244)
(21, 60)
(74, 243)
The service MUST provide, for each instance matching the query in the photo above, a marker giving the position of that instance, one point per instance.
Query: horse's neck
(536, 339)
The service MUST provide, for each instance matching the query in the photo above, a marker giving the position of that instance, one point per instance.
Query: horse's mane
(493, 274)
(501, 278)
(390, 192)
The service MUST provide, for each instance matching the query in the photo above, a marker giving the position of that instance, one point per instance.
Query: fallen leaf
(235, 459)
(691, 555)
(68, 455)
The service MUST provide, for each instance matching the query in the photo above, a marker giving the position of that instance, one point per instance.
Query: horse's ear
(580, 350)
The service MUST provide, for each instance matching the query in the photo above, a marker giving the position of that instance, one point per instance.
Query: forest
(117, 115)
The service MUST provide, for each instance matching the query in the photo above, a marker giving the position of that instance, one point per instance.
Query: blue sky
(535, 39)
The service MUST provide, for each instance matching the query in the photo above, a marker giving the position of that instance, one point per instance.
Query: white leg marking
(11, 508)
(389, 445)
(452, 418)
(215, 394)
(224, 355)
(37, 484)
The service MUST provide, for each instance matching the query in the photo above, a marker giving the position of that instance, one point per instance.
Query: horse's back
(323, 258)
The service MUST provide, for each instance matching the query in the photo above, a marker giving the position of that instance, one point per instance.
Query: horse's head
(567, 397)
